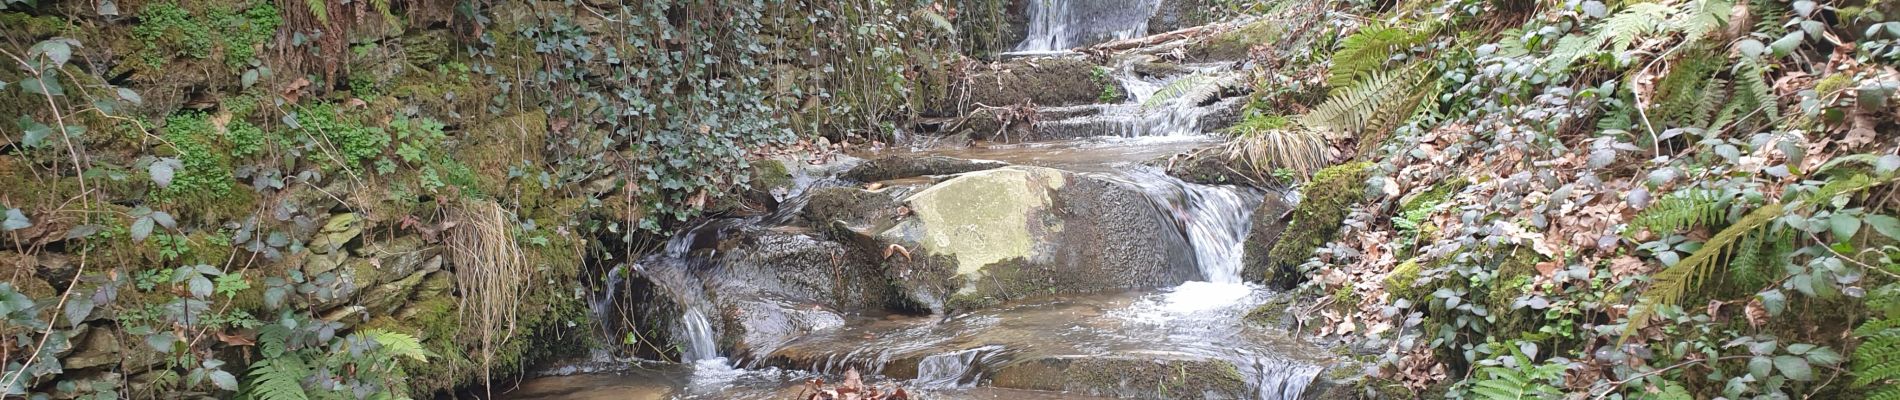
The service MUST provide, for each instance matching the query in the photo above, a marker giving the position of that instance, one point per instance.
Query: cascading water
(1063, 24)
(1214, 218)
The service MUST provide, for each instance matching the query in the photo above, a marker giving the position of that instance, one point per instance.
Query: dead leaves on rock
(852, 388)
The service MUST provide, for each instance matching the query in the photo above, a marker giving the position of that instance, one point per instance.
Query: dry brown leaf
(1757, 314)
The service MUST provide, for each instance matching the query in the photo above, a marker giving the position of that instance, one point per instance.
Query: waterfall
(1215, 219)
(1063, 24)
(955, 369)
(699, 336)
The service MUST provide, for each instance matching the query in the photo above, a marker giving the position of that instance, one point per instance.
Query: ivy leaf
(36, 132)
(1887, 164)
(1750, 47)
(164, 219)
(78, 308)
(224, 380)
(274, 297)
(201, 286)
(1884, 224)
(1843, 225)
(83, 231)
(1794, 368)
(163, 170)
(141, 228)
(1800, 348)
(57, 50)
(1787, 43)
(45, 84)
(1774, 301)
(131, 96)
(16, 220)
(161, 341)
(1824, 356)
(1804, 8)
(1760, 367)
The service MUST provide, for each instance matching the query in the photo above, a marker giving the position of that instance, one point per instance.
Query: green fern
(398, 344)
(277, 378)
(1193, 89)
(1691, 93)
(1377, 105)
(1367, 51)
(1876, 362)
(1697, 19)
(1683, 210)
(1673, 283)
(319, 9)
(1694, 20)
(1528, 381)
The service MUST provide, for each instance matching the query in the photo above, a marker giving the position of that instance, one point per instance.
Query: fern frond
(1377, 105)
(319, 9)
(1193, 89)
(1619, 31)
(1770, 17)
(1701, 17)
(1683, 210)
(937, 20)
(1754, 98)
(277, 378)
(272, 340)
(1876, 362)
(1673, 283)
(1367, 51)
(398, 344)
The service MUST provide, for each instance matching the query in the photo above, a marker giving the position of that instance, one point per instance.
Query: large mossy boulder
(1328, 198)
(986, 237)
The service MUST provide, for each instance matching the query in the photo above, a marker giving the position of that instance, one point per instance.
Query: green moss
(770, 174)
(1329, 197)
(33, 26)
(354, 143)
(1402, 282)
(1515, 277)
(166, 30)
(1234, 44)
(207, 169)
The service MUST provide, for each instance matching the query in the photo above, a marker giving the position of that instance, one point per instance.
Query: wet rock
(1118, 376)
(801, 267)
(399, 257)
(1233, 45)
(905, 166)
(990, 236)
(1208, 166)
(757, 325)
(853, 206)
(99, 348)
(1268, 223)
(319, 264)
(1038, 81)
(337, 231)
(1177, 14)
(386, 297)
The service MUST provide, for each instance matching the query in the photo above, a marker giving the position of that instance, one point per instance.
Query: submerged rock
(905, 166)
(990, 236)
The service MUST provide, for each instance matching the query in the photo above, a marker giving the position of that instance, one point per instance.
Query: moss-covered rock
(1234, 44)
(1014, 232)
(1062, 81)
(1328, 198)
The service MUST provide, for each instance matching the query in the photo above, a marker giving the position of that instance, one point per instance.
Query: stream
(750, 329)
